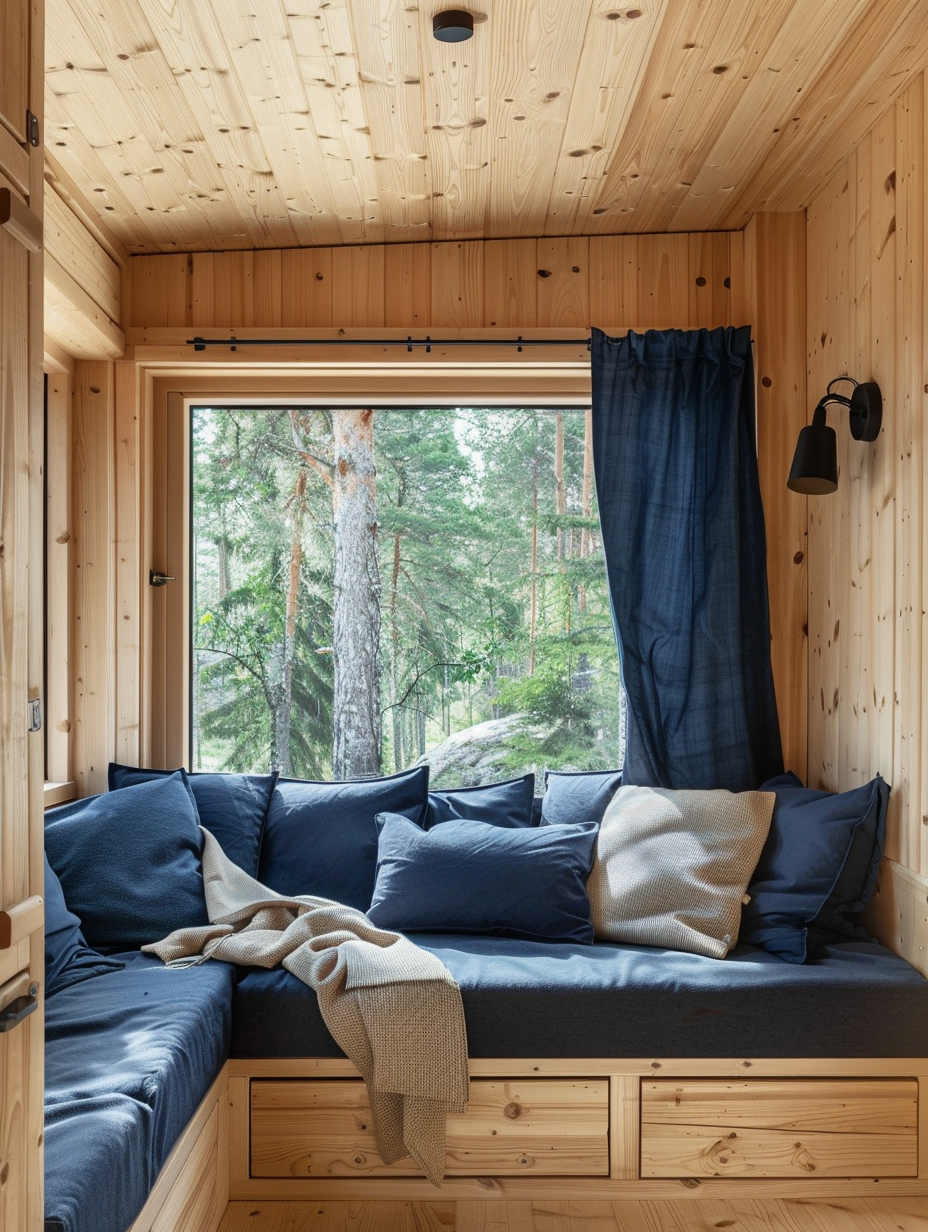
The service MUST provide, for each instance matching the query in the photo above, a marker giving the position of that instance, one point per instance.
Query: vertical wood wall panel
(776, 244)
(93, 652)
(128, 563)
(867, 294)
(58, 579)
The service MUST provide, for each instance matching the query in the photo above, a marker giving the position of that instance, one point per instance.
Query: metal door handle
(19, 999)
(159, 579)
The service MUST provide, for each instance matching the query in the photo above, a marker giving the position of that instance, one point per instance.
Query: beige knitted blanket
(392, 1008)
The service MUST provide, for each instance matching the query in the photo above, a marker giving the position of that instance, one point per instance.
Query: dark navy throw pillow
(471, 877)
(321, 838)
(499, 804)
(233, 807)
(581, 795)
(129, 862)
(818, 867)
(68, 959)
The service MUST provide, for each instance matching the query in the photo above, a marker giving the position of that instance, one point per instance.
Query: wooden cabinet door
(21, 619)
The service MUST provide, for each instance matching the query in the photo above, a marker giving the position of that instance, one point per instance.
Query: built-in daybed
(606, 1070)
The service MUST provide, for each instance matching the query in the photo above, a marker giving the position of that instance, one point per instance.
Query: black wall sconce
(815, 463)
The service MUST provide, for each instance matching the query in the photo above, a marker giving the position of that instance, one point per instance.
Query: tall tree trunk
(398, 757)
(533, 602)
(560, 497)
(297, 505)
(357, 597)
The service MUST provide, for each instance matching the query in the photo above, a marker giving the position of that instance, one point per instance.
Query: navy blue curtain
(683, 530)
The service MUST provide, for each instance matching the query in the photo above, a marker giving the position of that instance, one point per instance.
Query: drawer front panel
(779, 1128)
(538, 1127)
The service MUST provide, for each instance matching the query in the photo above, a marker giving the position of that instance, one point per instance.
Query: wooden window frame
(165, 676)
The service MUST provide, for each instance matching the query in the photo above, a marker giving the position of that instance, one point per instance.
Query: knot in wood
(513, 1111)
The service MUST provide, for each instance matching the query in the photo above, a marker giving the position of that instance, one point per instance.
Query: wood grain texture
(867, 295)
(208, 126)
(320, 1128)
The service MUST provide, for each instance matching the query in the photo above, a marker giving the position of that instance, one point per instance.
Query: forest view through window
(378, 588)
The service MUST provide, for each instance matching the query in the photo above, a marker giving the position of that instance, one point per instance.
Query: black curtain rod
(200, 344)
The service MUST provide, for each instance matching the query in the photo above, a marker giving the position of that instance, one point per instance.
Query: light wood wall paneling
(663, 280)
(867, 293)
(562, 290)
(59, 546)
(457, 284)
(77, 251)
(614, 277)
(908, 408)
(407, 286)
(510, 267)
(777, 246)
(93, 651)
(128, 562)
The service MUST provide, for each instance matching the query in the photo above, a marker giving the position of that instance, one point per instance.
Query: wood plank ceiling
(216, 124)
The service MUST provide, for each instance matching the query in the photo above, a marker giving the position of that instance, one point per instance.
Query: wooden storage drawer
(779, 1128)
(541, 1127)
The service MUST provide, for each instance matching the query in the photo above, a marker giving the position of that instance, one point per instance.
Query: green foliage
(473, 625)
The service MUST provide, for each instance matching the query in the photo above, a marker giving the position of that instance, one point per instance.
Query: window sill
(59, 793)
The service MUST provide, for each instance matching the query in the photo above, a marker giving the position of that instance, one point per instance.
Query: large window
(371, 588)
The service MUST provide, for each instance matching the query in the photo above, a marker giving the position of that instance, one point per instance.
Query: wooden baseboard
(192, 1190)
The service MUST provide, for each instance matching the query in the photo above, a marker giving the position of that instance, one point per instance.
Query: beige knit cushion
(672, 867)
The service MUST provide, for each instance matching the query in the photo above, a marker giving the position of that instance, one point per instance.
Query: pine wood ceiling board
(76, 249)
(202, 214)
(263, 56)
(697, 74)
(84, 108)
(615, 57)
(321, 35)
(883, 51)
(534, 48)
(189, 33)
(808, 38)
(455, 81)
(81, 163)
(389, 72)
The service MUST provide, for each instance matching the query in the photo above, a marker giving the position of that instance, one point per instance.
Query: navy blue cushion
(321, 838)
(527, 999)
(233, 807)
(818, 867)
(129, 862)
(572, 796)
(68, 959)
(128, 1059)
(500, 804)
(471, 877)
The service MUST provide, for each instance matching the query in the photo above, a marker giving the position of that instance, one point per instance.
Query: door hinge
(35, 714)
(32, 128)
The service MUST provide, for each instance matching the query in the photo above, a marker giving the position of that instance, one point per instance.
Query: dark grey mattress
(527, 999)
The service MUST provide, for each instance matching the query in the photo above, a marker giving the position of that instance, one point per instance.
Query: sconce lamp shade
(815, 463)
(453, 26)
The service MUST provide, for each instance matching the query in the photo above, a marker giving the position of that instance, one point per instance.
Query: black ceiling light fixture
(453, 26)
(815, 463)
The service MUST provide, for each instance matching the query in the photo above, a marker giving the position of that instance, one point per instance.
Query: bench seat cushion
(128, 1058)
(531, 999)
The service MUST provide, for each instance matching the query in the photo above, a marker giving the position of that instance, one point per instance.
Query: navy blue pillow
(471, 877)
(500, 804)
(818, 867)
(68, 960)
(129, 862)
(582, 795)
(233, 807)
(321, 838)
